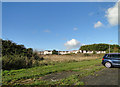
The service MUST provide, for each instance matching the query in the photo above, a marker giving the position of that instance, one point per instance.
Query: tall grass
(67, 58)
(36, 72)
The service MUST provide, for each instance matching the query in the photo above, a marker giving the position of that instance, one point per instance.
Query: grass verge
(84, 68)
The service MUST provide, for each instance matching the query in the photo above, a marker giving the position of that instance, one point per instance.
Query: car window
(114, 55)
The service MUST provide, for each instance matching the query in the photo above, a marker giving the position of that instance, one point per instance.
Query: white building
(84, 51)
(98, 52)
(89, 52)
(67, 52)
(80, 51)
(103, 51)
(75, 51)
(47, 52)
(64, 52)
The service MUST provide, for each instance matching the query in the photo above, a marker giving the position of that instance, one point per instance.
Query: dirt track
(107, 76)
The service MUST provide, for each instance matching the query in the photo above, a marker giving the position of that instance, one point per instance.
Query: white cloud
(112, 15)
(72, 44)
(98, 24)
(75, 29)
(47, 31)
(83, 44)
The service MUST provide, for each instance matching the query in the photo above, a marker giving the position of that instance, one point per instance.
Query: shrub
(86, 54)
(17, 56)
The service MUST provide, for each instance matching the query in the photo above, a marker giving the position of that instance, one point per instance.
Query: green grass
(83, 67)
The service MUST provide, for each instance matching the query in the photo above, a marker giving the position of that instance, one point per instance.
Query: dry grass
(72, 57)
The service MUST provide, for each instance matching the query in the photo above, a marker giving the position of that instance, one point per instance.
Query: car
(111, 60)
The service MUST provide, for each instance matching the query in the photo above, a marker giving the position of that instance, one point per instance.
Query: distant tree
(55, 52)
(100, 47)
(94, 52)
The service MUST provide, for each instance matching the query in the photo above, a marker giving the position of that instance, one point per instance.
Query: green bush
(94, 52)
(17, 56)
(86, 54)
(55, 52)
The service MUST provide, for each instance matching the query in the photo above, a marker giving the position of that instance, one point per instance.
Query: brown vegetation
(71, 57)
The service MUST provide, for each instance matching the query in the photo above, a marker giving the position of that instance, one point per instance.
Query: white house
(64, 52)
(84, 51)
(103, 51)
(47, 52)
(75, 51)
(98, 52)
(67, 52)
(80, 51)
(89, 52)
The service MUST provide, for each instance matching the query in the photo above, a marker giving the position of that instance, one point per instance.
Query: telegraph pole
(109, 46)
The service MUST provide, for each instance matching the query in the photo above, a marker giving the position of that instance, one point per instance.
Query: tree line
(101, 47)
(17, 56)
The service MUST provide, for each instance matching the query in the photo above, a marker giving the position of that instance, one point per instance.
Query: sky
(60, 25)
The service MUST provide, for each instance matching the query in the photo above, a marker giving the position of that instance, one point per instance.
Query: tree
(55, 52)
(100, 47)
(17, 56)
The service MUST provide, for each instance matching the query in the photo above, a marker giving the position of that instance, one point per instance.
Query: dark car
(111, 60)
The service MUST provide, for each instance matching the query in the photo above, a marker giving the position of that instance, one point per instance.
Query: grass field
(51, 59)
(33, 76)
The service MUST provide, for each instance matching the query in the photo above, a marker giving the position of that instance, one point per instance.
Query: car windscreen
(113, 56)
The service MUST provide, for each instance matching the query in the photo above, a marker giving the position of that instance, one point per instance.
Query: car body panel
(113, 58)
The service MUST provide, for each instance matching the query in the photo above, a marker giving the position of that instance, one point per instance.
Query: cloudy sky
(60, 25)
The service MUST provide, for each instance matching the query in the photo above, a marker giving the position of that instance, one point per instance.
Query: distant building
(47, 52)
(41, 52)
(64, 52)
(89, 51)
(67, 52)
(80, 51)
(84, 51)
(75, 51)
(98, 52)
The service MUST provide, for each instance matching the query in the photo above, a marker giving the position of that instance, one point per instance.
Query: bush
(13, 62)
(94, 52)
(17, 56)
(55, 52)
(86, 54)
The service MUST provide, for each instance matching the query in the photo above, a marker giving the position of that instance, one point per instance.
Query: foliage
(17, 56)
(84, 67)
(86, 54)
(100, 47)
(94, 52)
(55, 52)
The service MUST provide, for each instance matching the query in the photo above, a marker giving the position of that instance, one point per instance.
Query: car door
(115, 58)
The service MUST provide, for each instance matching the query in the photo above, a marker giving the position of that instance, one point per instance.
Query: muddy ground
(58, 76)
(107, 76)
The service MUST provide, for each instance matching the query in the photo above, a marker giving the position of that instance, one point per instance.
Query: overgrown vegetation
(23, 59)
(17, 56)
(101, 47)
(82, 68)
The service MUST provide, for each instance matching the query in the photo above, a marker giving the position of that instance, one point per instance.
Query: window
(113, 55)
